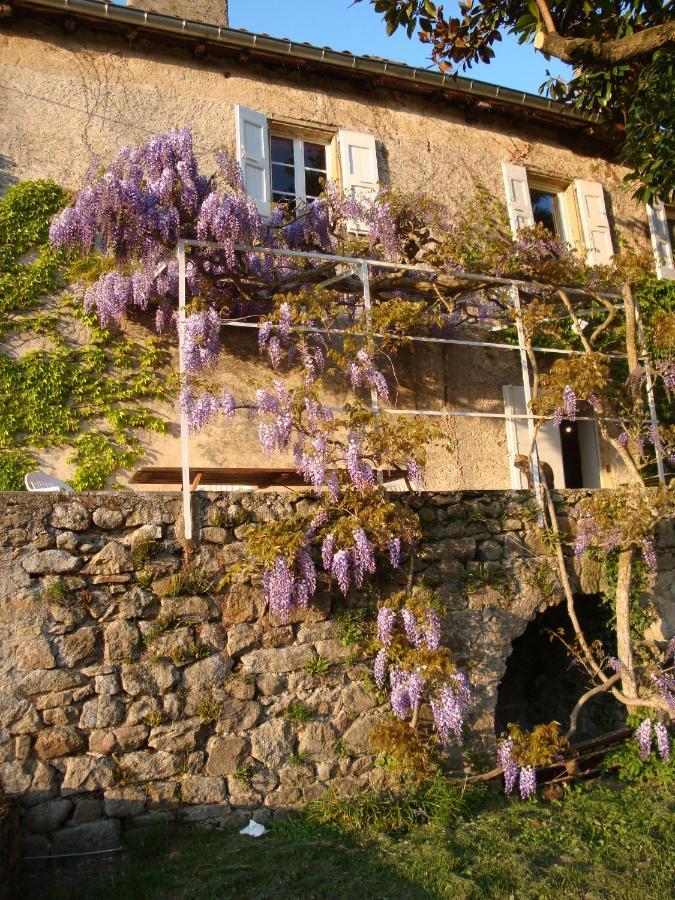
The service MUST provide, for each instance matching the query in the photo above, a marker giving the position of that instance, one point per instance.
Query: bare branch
(575, 50)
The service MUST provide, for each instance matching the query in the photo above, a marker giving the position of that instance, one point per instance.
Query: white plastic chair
(40, 481)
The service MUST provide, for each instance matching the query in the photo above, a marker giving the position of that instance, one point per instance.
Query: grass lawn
(600, 840)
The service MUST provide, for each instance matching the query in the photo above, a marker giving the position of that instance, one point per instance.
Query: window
(299, 169)
(547, 211)
(575, 213)
(662, 227)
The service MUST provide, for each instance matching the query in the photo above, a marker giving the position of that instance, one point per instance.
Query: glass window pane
(543, 208)
(314, 183)
(283, 179)
(671, 232)
(315, 156)
(282, 150)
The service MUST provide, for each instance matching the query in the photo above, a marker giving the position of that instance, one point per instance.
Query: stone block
(113, 559)
(67, 540)
(108, 519)
(207, 673)
(150, 678)
(277, 661)
(242, 603)
(58, 741)
(46, 817)
(131, 737)
(86, 773)
(34, 653)
(150, 765)
(102, 835)
(203, 789)
(123, 802)
(87, 809)
(102, 712)
(225, 754)
(122, 640)
(102, 742)
(108, 684)
(334, 651)
(272, 742)
(76, 647)
(213, 813)
(237, 715)
(317, 739)
(71, 515)
(242, 637)
(51, 562)
(48, 681)
(178, 736)
(271, 685)
(357, 736)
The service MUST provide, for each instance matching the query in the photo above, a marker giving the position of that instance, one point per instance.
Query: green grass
(600, 841)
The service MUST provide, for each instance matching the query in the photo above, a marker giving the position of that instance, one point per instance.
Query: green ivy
(91, 395)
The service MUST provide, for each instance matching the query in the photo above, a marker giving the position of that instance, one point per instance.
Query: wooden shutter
(663, 251)
(253, 154)
(594, 222)
(518, 438)
(358, 166)
(517, 197)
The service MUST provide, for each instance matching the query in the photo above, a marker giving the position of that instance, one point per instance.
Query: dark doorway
(571, 455)
(541, 684)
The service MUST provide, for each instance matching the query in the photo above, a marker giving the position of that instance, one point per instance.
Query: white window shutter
(517, 197)
(358, 163)
(253, 155)
(594, 222)
(663, 251)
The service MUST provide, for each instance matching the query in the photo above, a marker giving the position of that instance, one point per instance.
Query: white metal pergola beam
(362, 267)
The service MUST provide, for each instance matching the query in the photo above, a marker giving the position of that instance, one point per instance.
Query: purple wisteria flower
(643, 735)
(527, 782)
(328, 551)
(395, 552)
(509, 765)
(201, 344)
(386, 619)
(449, 708)
(341, 569)
(649, 555)
(406, 691)
(278, 586)
(412, 632)
(360, 473)
(665, 684)
(380, 668)
(569, 406)
(415, 475)
(662, 741)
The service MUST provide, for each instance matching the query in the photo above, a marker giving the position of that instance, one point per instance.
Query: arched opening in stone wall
(542, 684)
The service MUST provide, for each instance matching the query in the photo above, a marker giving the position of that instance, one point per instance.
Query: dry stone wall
(130, 693)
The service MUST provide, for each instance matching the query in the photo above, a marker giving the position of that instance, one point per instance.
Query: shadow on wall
(6, 177)
(542, 682)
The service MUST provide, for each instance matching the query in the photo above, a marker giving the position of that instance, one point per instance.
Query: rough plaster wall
(65, 100)
(106, 719)
(212, 11)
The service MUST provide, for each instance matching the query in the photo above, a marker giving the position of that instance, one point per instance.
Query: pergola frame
(361, 268)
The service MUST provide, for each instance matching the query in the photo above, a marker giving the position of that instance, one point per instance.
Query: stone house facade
(80, 79)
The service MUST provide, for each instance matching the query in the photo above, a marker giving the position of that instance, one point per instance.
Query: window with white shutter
(662, 228)
(594, 222)
(358, 166)
(517, 197)
(253, 154)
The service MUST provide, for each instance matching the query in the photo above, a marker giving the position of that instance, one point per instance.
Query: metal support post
(184, 431)
(649, 384)
(527, 388)
(368, 313)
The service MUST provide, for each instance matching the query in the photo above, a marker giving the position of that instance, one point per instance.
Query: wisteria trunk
(623, 637)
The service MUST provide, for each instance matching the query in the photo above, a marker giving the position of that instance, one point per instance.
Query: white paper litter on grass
(254, 829)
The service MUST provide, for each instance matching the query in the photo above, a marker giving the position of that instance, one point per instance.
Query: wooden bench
(201, 476)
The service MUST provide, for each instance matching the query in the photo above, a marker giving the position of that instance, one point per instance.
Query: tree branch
(574, 50)
(583, 700)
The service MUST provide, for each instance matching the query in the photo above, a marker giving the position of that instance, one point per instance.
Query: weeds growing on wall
(86, 387)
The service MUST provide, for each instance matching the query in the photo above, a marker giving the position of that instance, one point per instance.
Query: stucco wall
(65, 99)
(120, 701)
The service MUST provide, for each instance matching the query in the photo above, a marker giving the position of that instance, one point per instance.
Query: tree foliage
(622, 53)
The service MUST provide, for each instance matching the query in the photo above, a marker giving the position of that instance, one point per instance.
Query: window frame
(299, 168)
(559, 190)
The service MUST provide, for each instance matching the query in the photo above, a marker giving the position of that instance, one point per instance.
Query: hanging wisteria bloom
(201, 342)
(449, 708)
(665, 683)
(406, 691)
(527, 782)
(380, 668)
(395, 552)
(662, 741)
(386, 619)
(643, 736)
(508, 763)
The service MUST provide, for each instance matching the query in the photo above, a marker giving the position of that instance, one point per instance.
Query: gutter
(281, 50)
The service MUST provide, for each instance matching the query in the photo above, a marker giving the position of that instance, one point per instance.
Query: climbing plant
(136, 210)
(65, 381)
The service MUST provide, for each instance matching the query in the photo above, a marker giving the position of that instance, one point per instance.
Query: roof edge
(282, 49)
